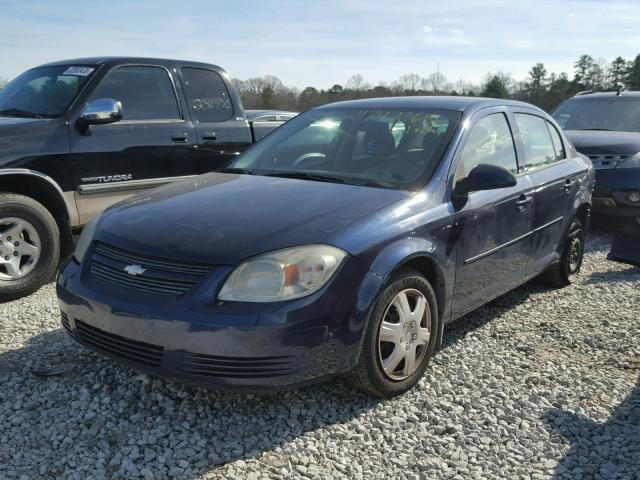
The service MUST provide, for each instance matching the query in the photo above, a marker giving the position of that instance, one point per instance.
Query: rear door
(153, 143)
(222, 132)
(492, 228)
(555, 180)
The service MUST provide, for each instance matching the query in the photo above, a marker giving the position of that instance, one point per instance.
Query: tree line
(541, 87)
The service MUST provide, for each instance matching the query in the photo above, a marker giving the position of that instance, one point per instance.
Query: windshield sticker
(79, 71)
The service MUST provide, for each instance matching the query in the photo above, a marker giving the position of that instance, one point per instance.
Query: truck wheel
(400, 337)
(567, 269)
(29, 246)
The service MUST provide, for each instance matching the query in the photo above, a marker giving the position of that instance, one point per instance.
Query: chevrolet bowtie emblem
(134, 270)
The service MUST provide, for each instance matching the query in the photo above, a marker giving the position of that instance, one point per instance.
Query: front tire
(566, 271)
(29, 246)
(400, 337)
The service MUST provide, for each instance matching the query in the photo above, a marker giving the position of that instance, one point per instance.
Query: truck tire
(397, 331)
(29, 246)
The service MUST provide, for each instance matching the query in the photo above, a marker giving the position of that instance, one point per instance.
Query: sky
(322, 43)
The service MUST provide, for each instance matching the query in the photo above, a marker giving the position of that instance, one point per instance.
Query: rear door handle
(209, 138)
(523, 201)
(179, 138)
(568, 184)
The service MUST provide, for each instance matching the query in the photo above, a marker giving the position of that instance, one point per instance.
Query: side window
(538, 146)
(490, 142)
(208, 96)
(557, 142)
(146, 93)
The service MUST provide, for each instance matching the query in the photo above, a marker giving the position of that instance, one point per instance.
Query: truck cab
(79, 135)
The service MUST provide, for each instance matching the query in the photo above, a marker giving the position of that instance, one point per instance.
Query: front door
(492, 227)
(153, 143)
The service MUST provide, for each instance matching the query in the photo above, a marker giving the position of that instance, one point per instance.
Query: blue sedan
(341, 244)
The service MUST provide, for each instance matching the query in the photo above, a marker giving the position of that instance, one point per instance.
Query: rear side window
(557, 142)
(536, 139)
(208, 96)
(146, 93)
(489, 142)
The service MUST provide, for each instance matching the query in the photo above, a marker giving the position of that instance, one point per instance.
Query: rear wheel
(400, 337)
(566, 271)
(29, 246)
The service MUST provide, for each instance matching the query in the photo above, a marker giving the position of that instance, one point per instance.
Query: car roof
(438, 102)
(114, 61)
(591, 95)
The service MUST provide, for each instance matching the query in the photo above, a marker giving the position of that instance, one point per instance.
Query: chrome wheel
(19, 248)
(404, 333)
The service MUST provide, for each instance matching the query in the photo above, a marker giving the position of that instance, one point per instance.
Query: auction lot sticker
(80, 71)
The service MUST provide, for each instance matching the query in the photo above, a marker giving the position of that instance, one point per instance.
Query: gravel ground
(537, 384)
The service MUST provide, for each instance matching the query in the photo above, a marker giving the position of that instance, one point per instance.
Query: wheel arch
(46, 191)
(416, 254)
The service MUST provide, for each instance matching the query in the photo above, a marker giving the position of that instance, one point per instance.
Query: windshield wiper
(317, 177)
(18, 112)
(242, 171)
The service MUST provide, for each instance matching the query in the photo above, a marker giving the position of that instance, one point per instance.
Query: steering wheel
(306, 157)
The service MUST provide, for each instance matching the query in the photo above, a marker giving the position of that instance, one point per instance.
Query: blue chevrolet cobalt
(340, 244)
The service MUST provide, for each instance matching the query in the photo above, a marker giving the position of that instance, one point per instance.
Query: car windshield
(389, 148)
(620, 114)
(44, 92)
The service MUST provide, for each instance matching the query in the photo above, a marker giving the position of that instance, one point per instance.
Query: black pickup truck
(79, 135)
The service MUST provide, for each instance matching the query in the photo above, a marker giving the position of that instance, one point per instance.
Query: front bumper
(223, 345)
(610, 196)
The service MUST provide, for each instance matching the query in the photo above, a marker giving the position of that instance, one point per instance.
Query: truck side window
(146, 93)
(208, 96)
(538, 147)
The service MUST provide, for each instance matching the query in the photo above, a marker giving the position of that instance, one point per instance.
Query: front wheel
(400, 337)
(566, 271)
(29, 246)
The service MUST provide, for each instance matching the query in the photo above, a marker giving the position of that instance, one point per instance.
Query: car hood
(224, 218)
(19, 120)
(591, 142)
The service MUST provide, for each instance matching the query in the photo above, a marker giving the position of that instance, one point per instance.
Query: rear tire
(566, 271)
(400, 337)
(29, 246)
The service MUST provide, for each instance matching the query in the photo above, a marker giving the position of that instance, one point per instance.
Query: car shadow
(53, 378)
(609, 450)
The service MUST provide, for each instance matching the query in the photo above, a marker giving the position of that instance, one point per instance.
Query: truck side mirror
(99, 112)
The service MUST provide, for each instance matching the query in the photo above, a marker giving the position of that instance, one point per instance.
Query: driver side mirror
(484, 177)
(99, 112)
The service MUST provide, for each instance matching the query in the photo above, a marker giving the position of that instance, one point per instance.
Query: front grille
(238, 367)
(160, 276)
(133, 350)
(606, 160)
(64, 319)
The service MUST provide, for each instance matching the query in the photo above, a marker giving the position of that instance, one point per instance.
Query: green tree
(633, 74)
(496, 86)
(583, 67)
(618, 71)
(536, 84)
(267, 97)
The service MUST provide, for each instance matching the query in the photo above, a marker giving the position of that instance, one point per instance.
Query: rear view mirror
(100, 112)
(484, 177)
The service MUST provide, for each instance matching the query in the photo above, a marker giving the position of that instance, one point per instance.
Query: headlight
(632, 162)
(85, 239)
(283, 274)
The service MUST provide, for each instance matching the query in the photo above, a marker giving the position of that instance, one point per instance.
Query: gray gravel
(539, 383)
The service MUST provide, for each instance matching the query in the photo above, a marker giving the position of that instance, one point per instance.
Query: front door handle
(179, 138)
(522, 202)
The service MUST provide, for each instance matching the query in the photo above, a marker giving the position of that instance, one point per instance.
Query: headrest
(378, 140)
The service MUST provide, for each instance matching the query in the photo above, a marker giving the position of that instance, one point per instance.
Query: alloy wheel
(19, 248)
